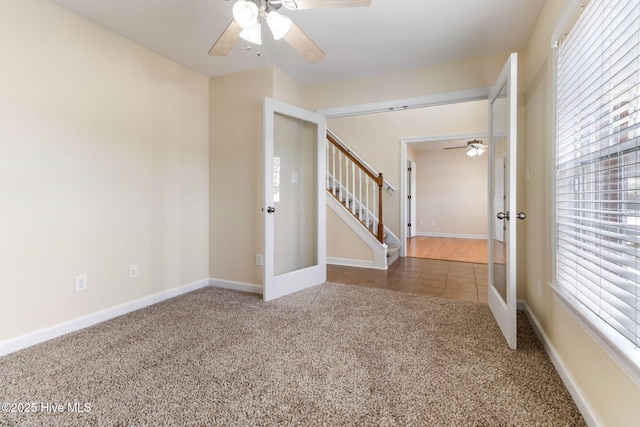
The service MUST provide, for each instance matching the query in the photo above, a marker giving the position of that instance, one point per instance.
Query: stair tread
(392, 250)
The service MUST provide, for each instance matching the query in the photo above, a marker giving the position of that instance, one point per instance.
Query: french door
(294, 199)
(502, 200)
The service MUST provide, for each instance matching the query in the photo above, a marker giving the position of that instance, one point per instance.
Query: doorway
(449, 279)
(449, 196)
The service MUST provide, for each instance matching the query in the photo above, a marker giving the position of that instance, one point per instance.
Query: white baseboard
(453, 235)
(354, 263)
(42, 335)
(574, 389)
(236, 286)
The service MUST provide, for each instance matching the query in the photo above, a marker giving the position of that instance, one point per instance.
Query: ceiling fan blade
(227, 40)
(455, 148)
(317, 4)
(302, 44)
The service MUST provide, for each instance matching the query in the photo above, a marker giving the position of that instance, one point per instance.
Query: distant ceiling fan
(473, 148)
(246, 24)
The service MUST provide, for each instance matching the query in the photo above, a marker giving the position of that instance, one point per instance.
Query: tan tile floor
(445, 279)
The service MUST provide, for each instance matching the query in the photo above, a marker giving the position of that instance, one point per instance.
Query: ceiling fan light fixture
(253, 34)
(245, 13)
(475, 148)
(279, 24)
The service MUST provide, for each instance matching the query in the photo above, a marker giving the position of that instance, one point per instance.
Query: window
(598, 173)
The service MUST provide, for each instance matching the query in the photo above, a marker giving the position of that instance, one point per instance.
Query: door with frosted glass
(502, 203)
(294, 204)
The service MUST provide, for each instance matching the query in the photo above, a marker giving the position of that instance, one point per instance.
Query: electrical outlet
(81, 283)
(259, 259)
(539, 288)
(433, 223)
(133, 271)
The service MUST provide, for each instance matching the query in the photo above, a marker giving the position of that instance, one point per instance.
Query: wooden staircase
(359, 190)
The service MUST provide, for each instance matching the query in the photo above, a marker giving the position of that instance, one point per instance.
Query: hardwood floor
(450, 249)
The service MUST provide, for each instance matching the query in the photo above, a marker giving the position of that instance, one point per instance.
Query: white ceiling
(388, 35)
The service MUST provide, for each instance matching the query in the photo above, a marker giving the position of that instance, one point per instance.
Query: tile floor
(445, 279)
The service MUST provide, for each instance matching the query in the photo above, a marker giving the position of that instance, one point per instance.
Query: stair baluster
(367, 203)
(353, 189)
(360, 194)
(333, 174)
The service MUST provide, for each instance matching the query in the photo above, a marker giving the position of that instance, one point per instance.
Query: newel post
(380, 223)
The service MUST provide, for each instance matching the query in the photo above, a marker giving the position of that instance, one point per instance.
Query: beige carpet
(331, 355)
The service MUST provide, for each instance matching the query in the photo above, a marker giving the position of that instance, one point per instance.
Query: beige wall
(611, 394)
(451, 189)
(343, 242)
(287, 89)
(453, 76)
(236, 174)
(104, 164)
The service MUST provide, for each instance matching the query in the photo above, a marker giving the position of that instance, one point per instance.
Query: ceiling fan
(246, 24)
(473, 148)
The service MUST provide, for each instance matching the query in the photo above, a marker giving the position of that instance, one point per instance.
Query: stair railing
(355, 186)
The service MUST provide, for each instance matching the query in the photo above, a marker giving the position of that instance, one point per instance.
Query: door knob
(521, 215)
(502, 215)
(271, 209)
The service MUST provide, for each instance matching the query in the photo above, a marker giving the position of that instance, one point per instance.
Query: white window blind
(598, 172)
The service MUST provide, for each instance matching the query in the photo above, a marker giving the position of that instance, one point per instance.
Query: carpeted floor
(331, 355)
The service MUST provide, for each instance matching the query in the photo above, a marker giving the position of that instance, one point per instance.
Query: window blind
(597, 160)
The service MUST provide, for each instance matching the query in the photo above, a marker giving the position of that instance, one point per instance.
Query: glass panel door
(502, 193)
(295, 248)
(499, 120)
